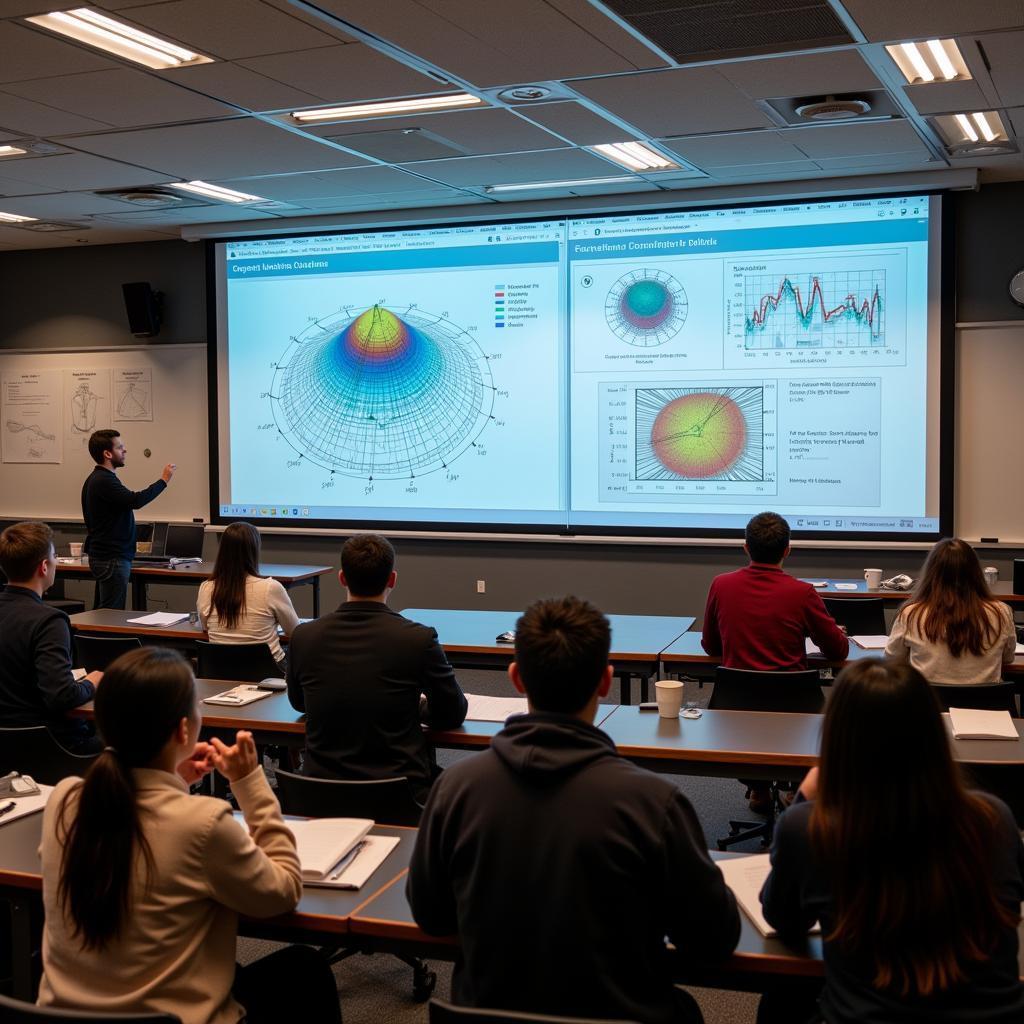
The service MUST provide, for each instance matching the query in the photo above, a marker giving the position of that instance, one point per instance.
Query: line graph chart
(815, 310)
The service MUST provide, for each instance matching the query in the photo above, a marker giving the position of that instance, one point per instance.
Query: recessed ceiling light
(937, 60)
(568, 183)
(637, 156)
(964, 133)
(355, 111)
(223, 195)
(11, 151)
(105, 33)
(14, 218)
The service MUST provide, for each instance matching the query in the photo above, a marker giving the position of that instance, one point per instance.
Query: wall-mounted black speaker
(144, 308)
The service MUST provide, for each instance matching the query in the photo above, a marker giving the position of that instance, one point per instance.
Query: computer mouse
(272, 683)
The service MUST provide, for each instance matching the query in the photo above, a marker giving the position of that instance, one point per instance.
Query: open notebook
(746, 876)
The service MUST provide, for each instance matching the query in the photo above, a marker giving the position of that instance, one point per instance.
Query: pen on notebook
(346, 861)
(7, 807)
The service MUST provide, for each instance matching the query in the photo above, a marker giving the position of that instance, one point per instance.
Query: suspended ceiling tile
(574, 122)
(344, 74)
(1016, 119)
(229, 28)
(927, 19)
(121, 97)
(242, 147)
(302, 188)
(24, 8)
(326, 25)
(492, 44)
(597, 23)
(13, 187)
(623, 188)
(28, 118)
(190, 215)
(64, 205)
(944, 97)
(844, 140)
(31, 53)
(738, 147)
(382, 200)
(1004, 50)
(859, 161)
(550, 165)
(81, 171)
(809, 74)
(234, 84)
(686, 101)
(788, 168)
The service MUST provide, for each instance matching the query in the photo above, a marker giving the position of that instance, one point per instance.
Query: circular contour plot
(699, 435)
(381, 395)
(646, 308)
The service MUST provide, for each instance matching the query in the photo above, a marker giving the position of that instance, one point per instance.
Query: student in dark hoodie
(562, 866)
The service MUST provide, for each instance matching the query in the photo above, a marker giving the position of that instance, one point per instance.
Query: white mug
(76, 549)
(873, 578)
(669, 694)
(991, 574)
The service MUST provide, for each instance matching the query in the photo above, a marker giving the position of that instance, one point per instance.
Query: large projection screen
(640, 373)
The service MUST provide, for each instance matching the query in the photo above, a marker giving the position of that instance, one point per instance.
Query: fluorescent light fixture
(105, 33)
(967, 127)
(637, 156)
(14, 218)
(354, 111)
(618, 179)
(986, 129)
(223, 195)
(932, 61)
(12, 151)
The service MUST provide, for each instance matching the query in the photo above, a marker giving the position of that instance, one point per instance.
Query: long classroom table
(1003, 589)
(289, 576)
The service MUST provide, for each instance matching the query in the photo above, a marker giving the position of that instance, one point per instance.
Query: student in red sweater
(758, 617)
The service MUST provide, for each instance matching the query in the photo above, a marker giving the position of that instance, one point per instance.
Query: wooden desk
(468, 638)
(1003, 589)
(288, 575)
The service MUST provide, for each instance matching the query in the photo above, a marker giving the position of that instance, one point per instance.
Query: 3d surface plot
(646, 308)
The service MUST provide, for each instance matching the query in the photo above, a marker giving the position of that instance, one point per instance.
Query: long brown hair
(238, 558)
(901, 836)
(143, 697)
(952, 602)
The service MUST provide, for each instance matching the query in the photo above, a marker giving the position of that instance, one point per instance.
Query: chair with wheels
(984, 696)
(859, 616)
(246, 663)
(95, 653)
(12, 1011)
(446, 1013)
(744, 690)
(33, 750)
(387, 802)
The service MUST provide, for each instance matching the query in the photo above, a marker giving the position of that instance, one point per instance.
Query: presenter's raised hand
(168, 472)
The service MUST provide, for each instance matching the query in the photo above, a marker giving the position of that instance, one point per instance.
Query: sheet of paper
(873, 642)
(1019, 649)
(494, 709)
(25, 805)
(746, 877)
(847, 586)
(374, 852)
(160, 618)
(238, 696)
(810, 646)
(972, 724)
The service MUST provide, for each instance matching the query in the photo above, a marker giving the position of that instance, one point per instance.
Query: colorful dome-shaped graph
(646, 308)
(380, 395)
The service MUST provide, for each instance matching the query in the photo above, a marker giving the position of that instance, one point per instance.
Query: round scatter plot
(699, 435)
(382, 395)
(646, 308)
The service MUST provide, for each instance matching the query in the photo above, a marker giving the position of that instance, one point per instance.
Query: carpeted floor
(375, 989)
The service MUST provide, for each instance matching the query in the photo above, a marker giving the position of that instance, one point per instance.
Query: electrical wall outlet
(481, 586)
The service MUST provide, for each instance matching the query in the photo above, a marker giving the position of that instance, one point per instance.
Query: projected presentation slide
(416, 375)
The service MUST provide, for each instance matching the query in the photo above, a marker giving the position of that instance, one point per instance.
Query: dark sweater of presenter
(108, 508)
(759, 617)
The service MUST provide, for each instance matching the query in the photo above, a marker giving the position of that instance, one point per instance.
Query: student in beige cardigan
(143, 882)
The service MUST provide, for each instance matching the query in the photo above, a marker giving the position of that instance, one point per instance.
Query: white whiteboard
(989, 435)
(176, 433)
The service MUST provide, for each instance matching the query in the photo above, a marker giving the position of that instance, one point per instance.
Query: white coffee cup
(873, 578)
(76, 549)
(991, 574)
(669, 694)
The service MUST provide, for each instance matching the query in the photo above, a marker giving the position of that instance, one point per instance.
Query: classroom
(667, 355)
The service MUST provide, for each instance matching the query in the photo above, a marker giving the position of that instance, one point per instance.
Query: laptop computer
(184, 541)
(155, 535)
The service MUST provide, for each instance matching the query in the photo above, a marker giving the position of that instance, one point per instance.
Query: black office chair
(859, 616)
(445, 1013)
(985, 696)
(386, 801)
(12, 1011)
(33, 750)
(95, 653)
(743, 690)
(247, 663)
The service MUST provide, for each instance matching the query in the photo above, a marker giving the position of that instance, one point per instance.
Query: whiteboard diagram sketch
(133, 395)
(83, 408)
(86, 404)
(30, 410)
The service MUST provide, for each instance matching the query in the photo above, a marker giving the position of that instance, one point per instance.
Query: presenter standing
(108, 509)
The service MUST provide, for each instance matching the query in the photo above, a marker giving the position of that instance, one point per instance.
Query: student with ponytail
(143, 882)
(917, 881)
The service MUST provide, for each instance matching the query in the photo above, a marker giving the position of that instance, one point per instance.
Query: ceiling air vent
(832, 109)
(150, 198)
(47, 225)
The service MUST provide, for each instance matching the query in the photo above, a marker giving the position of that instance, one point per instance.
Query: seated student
(36, 683)
(359, 672)
(917, 882)
(562, 866)
(143, 883)
(953, 630)
(759, 617)
(238, 606)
